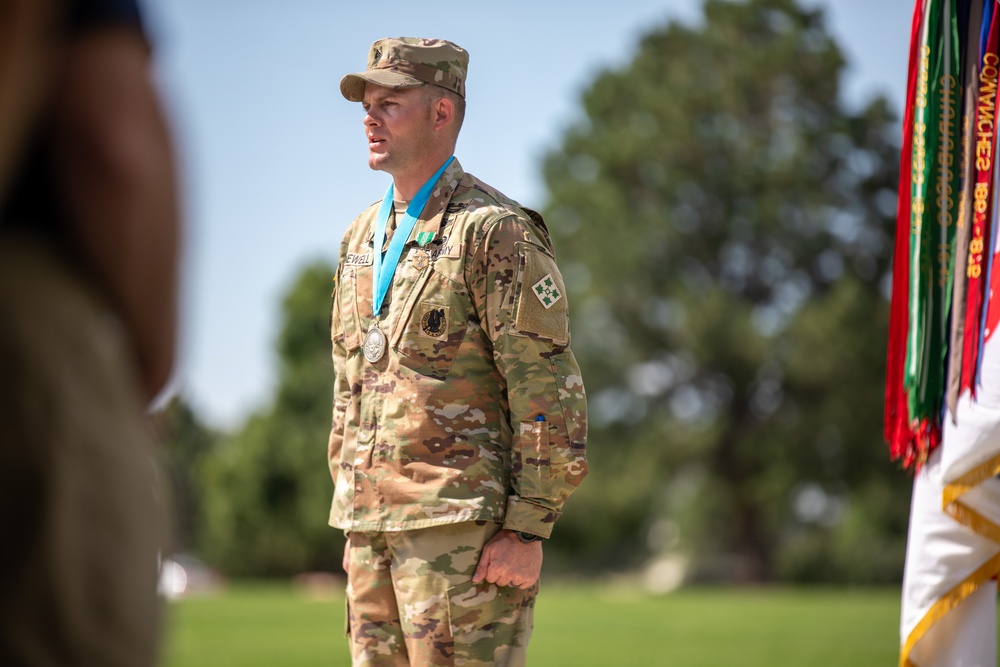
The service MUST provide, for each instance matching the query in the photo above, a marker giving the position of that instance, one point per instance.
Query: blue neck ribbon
(385, 268)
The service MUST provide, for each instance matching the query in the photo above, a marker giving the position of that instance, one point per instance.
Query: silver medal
(374, 345)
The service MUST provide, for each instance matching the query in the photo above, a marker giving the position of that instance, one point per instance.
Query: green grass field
(576, 625)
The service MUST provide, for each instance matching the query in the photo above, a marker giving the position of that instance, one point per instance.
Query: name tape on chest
(420, 256)
(359, 259)
(445, 251)
(431, 253)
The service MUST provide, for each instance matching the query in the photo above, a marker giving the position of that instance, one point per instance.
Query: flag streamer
(941, 312)
(942, 402)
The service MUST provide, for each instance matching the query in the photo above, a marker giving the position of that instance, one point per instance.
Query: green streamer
(926, 117)
(939, 229)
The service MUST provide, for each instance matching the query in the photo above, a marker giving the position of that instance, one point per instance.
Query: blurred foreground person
(88, 244)
(459, 421)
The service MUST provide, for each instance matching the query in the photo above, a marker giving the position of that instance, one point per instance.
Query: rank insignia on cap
(546, 291)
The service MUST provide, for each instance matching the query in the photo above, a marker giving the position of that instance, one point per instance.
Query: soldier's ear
(444, 112)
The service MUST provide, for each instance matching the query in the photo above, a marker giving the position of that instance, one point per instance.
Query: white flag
(953, 548)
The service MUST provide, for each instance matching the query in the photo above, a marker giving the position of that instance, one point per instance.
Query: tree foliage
(725, 220)
(186, 442)
(267, 486)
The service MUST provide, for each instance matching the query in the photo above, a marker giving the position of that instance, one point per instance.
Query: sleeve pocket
(540, 296)
(532, 462)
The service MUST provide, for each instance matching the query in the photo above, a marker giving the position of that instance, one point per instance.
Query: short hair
(432, 93)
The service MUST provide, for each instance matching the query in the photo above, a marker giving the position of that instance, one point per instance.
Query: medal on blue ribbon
(384, 268)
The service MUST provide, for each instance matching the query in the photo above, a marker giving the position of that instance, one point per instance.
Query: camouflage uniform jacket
(477, 410)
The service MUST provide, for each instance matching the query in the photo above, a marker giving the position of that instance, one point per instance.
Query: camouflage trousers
(411, 601)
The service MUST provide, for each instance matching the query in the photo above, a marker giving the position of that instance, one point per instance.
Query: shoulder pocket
(539, 296)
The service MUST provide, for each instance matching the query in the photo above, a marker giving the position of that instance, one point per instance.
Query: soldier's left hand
(507, 561)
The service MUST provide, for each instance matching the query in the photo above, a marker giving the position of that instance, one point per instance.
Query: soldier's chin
(378, 161)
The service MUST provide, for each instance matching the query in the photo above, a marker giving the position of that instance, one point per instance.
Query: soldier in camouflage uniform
(459, 417)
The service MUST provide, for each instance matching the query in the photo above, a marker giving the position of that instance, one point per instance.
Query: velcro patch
(540, 306)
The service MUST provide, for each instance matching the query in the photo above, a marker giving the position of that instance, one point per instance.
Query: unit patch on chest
(433, 320)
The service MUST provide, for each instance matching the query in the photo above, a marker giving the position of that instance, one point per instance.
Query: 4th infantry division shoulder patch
(547, 291)
(546, 314)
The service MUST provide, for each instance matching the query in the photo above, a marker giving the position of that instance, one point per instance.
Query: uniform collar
(432, 216)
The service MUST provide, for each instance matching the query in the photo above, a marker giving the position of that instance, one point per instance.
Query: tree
(728, 221)
(185, 441)
(267, 486)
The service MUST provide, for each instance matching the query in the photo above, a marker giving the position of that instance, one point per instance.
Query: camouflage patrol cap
(409, 62)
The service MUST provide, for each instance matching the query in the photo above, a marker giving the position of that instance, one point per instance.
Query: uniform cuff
(526, 517)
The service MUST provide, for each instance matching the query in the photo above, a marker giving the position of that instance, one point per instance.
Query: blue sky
(272, 158)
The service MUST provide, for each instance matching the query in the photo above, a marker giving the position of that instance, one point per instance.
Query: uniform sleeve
(520, 299)
(341, 388)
